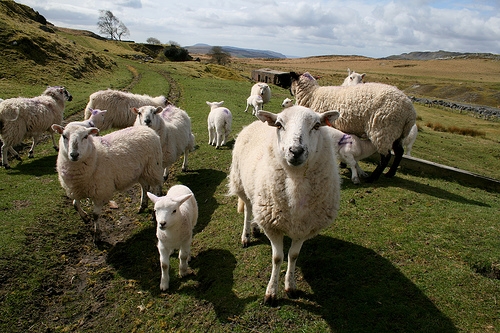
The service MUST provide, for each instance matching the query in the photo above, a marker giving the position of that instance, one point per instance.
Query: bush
(176, 53)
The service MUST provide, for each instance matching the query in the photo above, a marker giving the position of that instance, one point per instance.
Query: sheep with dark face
(380, 112)
(29, 117)
(285, 175)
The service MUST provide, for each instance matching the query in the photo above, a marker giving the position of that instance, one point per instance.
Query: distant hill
(235, 51)
(441, 55)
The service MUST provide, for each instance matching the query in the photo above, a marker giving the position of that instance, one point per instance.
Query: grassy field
(409, 254)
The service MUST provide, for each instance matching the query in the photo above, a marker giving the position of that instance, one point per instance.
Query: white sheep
(262, 89)
(29, 117)
(287, 102)
(286, 175)
(95, 167)
(410, 140)
(219, 122)
(256, 102)
(350, 150)
(176, 215)
(173, 125)
(118, 104)
(381, 112)
(96, 119)
(353, 78)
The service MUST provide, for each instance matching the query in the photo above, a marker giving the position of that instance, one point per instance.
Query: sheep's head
(167, 209)
(74, 142)
(59, 93)
(353, 78)
(287, 102)
(148, 116)
(97, 117)
(214, 105)
(298, 131)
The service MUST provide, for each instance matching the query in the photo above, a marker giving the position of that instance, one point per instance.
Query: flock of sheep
(284, 167)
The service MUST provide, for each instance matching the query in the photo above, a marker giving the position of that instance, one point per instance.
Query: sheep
(285, 175)
(262, 89)
(410, 140)
(173, 125)
(176, 215)
(350, 150)
(95, 167)
(381, 112)
(353, 78)
(256, 102)
(96, 119)
(29, 117)
(287, 102)
(118, 104)
(219, 124)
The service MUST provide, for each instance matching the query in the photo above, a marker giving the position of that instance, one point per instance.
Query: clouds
(304, 28)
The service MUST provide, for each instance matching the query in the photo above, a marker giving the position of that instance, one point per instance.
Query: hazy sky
(300, 28)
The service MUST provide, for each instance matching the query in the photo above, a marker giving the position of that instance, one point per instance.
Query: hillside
(442, 55)
(236, 51)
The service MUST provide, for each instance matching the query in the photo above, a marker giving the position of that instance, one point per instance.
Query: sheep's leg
(16, 155)
(5, 161)
(384, 161)
(398, 156)
(54, 144)
(211, 136)
(247, 107)
(360, 171)
(165, 253)
(220, 139)
(184, 255)
(165, 174)
(144, 197)
(277, 250)
(185, 161)
(247, 221)
(293, 254)
(349, 159)
(85, 217)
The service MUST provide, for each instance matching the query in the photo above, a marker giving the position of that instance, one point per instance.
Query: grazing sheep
(95, 167)
(219, 124)
(353, 78)
(350, 150)
(286, 175)
(176, 215)
(410, 140)
(256, 102)
(381, 112)
(118, 104)
(261, 89)
(29, 117)
(287, 102)
(96, 119)
(173, 125)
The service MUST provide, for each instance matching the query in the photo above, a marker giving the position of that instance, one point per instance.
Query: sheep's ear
(93, 131)
(152, 197)
(57, 128)
(208, 103)
(268, 117)
(348, 71)
(180, 199)
(94, 111)
(158, 110)
(328, 117)
(134, 110)
(363, 76)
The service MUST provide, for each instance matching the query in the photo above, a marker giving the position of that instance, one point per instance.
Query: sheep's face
(353, 79)
(148, 116)
(74, 142)
(287, 102)
(298, 132)
(59, 93)
(167, 210)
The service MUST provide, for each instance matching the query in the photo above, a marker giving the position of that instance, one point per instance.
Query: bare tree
(153, 41)
(111, 26)
(219, 56)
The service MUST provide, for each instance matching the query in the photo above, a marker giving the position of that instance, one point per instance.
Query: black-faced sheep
(285, 173)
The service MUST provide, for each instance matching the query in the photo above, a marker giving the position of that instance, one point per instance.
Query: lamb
(173, 125)
(381, 112)
(256, 102)
(262, 89)
(96, 119)
(118, 104)
(29, 117)
(287, 102)
(350, 150)
(286, 176)
(95, 167)
(219, 124)
(353, 78)
(176, 215)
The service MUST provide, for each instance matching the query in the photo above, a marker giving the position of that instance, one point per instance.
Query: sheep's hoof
(18, 158)
(6, 166)
(271, 300)
(245, 243)
(292, 293)
(184, 169)
(31, 155)
(56, 148)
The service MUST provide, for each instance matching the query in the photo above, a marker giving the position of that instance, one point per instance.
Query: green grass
(409, 254)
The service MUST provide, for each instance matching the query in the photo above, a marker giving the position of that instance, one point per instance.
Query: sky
(296, 28)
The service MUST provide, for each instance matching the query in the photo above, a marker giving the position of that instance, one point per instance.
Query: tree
(219, 56)
(111, 26)
(176, 53)
(154, 41)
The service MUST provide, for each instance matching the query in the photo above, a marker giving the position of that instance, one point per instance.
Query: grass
(409, 254)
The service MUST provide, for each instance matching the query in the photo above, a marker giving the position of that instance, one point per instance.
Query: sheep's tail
(241, 205)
